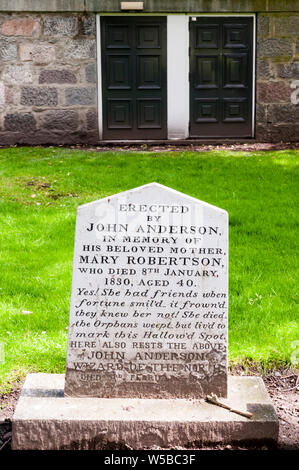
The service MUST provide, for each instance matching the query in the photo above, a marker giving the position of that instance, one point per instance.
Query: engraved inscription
(149, 299)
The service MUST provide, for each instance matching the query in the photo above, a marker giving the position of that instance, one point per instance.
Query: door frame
(178, 111)
(99, 65)
(138, 97)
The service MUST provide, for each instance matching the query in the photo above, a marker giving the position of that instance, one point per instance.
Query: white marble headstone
(149, 301)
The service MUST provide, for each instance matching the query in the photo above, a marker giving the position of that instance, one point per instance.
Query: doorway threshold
(178, 142)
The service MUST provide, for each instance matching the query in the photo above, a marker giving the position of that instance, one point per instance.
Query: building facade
(86, 71)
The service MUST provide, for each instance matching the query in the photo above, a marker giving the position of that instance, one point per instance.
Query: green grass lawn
(40, 190)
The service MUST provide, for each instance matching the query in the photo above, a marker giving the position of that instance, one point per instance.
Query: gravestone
(147, 335)
(149, 301)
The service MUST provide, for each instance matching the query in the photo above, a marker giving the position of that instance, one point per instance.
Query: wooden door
(221, 74)
(134, 78)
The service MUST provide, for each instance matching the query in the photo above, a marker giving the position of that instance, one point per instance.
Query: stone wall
(48, 90)
(161, 6)
(277, 70)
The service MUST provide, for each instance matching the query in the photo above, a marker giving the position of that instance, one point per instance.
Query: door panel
(207, 36)
(206, 71)
(148, 72)
(149, 113)
(120, 113)
(236, 35)
(118, 70)
(235, 69)
(134, 78)
(148, 37)
(206, 110)
(221, 77)
(235, 109)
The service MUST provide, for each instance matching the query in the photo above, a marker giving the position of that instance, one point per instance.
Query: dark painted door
(134, 78)
(221, 74)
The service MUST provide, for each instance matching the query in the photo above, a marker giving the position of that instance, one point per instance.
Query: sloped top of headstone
(151, 188)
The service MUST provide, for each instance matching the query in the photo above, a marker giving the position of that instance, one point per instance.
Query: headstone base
(45, 419)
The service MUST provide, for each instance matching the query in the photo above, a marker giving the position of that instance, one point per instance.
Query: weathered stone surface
(92, 120)
(154, 300)
(285, 132)
(17, 74)
(91, 73)
(41, 54)
(2, 93)
(60, 120)
(283, 5)
(21, 27)
(44, 419)
(18, 122)
(273, 92)
(10, 97)
(57, 76)
(84, 96)
(208, 6)
(8, 51)
(288, 70)
(39, 96)
(151, 5)
(261, 132)
(60, 26)
(80, 49)
(287, 25)
(48, 137)
(42, 5)
(274, 47)
(277, 133)
(283, 113)
(263, 25)
(265, 69)
(261, 112)
(89, 25)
